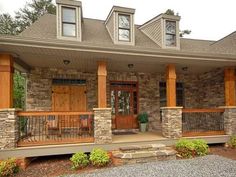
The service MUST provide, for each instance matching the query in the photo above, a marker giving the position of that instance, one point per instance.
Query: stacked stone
(8, 128)
(102, 125)
(230, 120)
(172, 122)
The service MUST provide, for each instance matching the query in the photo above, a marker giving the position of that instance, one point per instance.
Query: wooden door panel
(78, 98)
(69, 98)
(60, 98)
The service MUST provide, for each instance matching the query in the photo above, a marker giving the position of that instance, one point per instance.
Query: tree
(8, 25)
(19, 90)
(32, 11)
(25, 16)
(182, 32)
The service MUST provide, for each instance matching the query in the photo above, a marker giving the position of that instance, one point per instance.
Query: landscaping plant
(232, 141)
(79, 160)
(8, 167)
(99, 157)
(191, 148)
(200, 146)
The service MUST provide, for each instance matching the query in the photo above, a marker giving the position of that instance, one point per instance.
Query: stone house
(89, 79)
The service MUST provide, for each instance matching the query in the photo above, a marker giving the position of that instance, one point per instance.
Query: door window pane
(135, 103)
(113, 97)
(123, 102)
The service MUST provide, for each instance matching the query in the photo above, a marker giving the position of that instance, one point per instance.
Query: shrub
(8, 167)
(191, 148)
(79, 160)
(232, 141)
(200, 146)
(185, 148)
(99, 157)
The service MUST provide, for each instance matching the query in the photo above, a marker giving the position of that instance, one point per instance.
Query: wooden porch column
(171, 85)
(102, 93)
(6, 81)
(230, 87)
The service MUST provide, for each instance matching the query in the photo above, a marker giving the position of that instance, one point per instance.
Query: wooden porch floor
(139, 137)
(118, 141)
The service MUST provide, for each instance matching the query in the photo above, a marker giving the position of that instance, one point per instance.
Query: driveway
(207, 166)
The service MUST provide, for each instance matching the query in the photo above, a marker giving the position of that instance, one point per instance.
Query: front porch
(85, 102)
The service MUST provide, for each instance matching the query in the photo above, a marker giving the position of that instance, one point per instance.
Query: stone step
(136, 148)
(145, 153)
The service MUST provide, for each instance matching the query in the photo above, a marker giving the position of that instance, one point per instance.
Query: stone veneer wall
(200, 91)
(172, 122)
(39, 87)
(102, 125)
(8, 128)
(230, 120)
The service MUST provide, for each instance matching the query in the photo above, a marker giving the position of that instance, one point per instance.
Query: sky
(207, 19)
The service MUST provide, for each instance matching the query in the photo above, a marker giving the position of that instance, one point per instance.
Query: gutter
(134, 51)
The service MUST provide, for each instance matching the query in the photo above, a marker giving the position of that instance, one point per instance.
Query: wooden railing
(200, 122)
(42, 128)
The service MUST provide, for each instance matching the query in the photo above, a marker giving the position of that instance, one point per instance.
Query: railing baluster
(202, 121)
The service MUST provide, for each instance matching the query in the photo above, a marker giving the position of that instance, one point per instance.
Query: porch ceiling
(86, 60)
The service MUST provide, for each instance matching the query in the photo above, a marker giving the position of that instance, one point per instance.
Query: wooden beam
(230, 87)
(171, 85)
(102, 75)
(6, 81)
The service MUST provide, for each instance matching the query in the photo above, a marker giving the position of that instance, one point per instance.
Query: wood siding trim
(230, 98)
(203, 110)
(102, 93)
(52, 113)
(171, 85)
(6, 81)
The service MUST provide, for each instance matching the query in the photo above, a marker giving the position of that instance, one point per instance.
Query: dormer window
(124, 27)
(120, 25)
(68, 22)
(170, 33)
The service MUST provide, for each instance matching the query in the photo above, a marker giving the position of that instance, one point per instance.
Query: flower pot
(143, 127)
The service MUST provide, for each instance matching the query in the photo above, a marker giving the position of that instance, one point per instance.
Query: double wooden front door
(124, 102)
(69, 98)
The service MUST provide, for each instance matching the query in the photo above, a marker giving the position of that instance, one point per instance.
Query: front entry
(124, 103)
(69, 98)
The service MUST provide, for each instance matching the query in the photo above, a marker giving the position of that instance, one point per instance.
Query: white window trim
(116, 29)
(78, 36)
(177, 38)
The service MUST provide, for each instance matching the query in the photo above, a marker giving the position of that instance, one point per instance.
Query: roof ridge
(223, 38)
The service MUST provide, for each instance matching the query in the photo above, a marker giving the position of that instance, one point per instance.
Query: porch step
(144, 153)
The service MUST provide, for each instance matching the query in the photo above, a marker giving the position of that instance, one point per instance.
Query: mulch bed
(61, 165)
(223, 151)
(53, 166)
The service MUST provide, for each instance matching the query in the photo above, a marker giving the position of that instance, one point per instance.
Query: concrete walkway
(208, 166)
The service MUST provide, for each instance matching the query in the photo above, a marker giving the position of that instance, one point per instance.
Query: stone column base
(230, 120)
(8, 128)
(172, 122)
(102, 125)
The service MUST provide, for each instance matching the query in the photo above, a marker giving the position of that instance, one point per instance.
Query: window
(170, 33)
(68, 22)
(124, 27)
(179, 94)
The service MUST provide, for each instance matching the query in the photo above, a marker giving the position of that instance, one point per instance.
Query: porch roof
(35, 52)
(39, 46)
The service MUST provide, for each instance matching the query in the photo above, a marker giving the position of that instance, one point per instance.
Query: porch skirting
(172, 122)
(102, 125)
